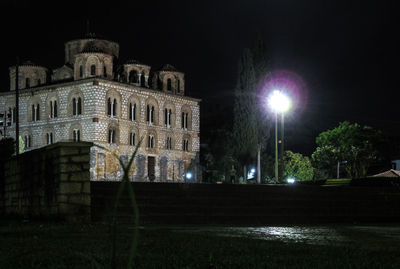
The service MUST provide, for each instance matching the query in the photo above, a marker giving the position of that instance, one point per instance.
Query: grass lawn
(58, 245)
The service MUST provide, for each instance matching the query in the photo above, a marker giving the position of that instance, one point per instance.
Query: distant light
(279, 102)
(189, 175)
(291, 180)
(251, 173)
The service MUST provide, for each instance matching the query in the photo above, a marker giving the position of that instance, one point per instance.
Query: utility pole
(276, 149)
(259, 164)
(17, 108)
(282, 149)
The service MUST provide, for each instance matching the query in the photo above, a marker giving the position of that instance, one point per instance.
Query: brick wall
(52, 181)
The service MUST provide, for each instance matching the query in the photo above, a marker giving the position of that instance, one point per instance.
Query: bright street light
(279, 103)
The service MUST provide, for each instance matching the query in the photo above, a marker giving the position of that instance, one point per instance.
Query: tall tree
(245, 125)
(264, 123)
(251, 124)
(355, 145)
(298, 166)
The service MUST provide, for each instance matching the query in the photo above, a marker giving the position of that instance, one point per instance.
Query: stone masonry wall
(53, 181)
(94, 123)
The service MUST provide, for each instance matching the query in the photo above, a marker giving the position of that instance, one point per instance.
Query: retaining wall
(180, 204)
(52, 181)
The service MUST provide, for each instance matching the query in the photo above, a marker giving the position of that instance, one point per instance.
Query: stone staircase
(220, 204)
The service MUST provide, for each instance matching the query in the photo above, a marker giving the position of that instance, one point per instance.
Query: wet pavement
(367, 235)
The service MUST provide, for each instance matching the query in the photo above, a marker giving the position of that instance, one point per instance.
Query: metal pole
(17, 108)
(276, 148)
(5, 124)
(259, 164)
(338, 170)
(282, 147)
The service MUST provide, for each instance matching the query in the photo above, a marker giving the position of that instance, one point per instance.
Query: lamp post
(279, 103)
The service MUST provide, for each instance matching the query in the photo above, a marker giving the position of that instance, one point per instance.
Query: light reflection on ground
(373, 236)
(314, 235)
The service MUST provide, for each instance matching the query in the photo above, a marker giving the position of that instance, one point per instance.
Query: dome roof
(91, 47)
(168, 67)
(31, 64)
(28, 63)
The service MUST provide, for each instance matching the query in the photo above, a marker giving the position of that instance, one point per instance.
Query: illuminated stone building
(91, 98)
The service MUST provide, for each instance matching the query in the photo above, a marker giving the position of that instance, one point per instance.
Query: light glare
(291, 180)
(279, 102)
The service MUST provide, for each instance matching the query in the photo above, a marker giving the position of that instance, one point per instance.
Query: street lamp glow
(189, 175)
(279, 102)
(291, 180)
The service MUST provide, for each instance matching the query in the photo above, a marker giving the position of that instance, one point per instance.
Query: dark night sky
(345, 51)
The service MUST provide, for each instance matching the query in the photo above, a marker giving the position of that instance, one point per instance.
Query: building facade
(117, 107)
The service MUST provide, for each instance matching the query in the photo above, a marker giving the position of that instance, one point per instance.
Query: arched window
(93, 70)
(79, 105)
(27, 83)
(35, 112)
(76, 106)
(132, 137)
(49, 138)
(169, 84)
(80, 71)
(185, 117)
(167, 117)
(132, 111)
(143, 80)
(169, 142)
(105, 71)
(111, 107)
(111, 136)
(133, 76)
(27, 141)
(76, 135)
(150, 142)
(185, 145)
(150, 114)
